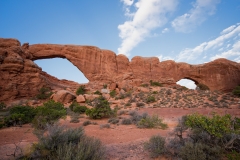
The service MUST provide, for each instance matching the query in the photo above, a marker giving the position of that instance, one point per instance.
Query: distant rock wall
(21, 77)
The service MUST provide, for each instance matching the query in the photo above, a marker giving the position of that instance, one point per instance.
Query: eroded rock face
(21, 77)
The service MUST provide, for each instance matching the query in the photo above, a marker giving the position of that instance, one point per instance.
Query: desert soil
(122, 142)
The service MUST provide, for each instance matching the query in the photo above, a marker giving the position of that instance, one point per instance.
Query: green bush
(44, 93)
(151, 122)
(152, 83)
(79, 109)
(156, 146)
(150, 99)
(49, 113)
(97, 92)
(236, 91)
(2, 105)
(20, 115)
(81, 90)
(61, 143)
(113, 93)
(101, 109)
(86, 123)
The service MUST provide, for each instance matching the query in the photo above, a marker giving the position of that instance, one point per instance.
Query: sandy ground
(123, 142)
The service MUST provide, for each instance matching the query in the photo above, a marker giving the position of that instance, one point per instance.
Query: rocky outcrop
(21, 77)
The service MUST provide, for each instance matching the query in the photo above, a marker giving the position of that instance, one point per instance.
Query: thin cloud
(165, 30)
(219, 44)
(196, 16)
(149, 15)
(164, 58)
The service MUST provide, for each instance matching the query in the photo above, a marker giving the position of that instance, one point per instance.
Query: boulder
(63, 96)
(80, 99)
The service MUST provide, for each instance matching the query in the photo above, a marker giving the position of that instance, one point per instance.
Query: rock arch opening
(62, 69)
(187, 82)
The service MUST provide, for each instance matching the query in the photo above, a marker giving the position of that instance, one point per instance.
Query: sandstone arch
(21, 77)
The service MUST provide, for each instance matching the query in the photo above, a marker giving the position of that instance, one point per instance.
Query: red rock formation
(21, 77)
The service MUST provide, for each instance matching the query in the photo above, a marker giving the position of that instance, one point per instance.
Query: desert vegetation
(211, 136)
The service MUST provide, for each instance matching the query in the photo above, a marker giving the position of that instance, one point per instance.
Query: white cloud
(149, 15)
(235, 51)
(215, 44)
(229, 29)
(128, 2)
(196, 16)
(165, 30)
(164, 58)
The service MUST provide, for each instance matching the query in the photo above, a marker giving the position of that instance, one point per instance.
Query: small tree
(236, 91)
(81, 90)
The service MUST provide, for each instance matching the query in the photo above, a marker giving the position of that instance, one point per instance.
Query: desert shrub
(113, 120)
(49, 113)
(81, 90)
(193, 151)
(151, 122)
(126, 121)
(128, 104)
(201, 86)
(44, 93)
(79, 109)
(236, 91)
(20, 115)
(104, 86)
(73, 105)
(152, 83)
(140, 104)
(86, 123)
(104, 126)
(233, 155)
(2, 105)
(144, 85)
(100, 109)
(150, 99)
(61, 143)
(136, 117)
(156, 146)
(113, 93)
(97, 92)
(74, 119)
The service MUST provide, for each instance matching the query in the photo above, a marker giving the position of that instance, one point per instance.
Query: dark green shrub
(203, 87)
(151, 122)
(155, 146)
(152, 83)
(150, 99)
(44, 93)
(113, 93)
(61, 143)
(144, 85)
(2, 105)
(101, 109)
(81, 90)
(97, 92)
(105, 86)
(236, 91)
(20, 115)
(79, 109)
(49, 113)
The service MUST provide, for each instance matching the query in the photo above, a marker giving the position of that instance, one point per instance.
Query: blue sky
(192, 31)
